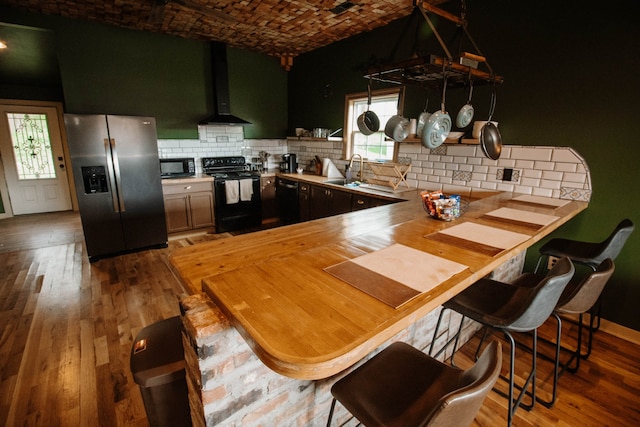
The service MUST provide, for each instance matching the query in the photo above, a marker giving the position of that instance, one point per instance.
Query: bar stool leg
(333, 406)
(435, 336)
(556, 368)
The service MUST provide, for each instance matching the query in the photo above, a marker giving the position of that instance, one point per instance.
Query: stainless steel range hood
(219, 69)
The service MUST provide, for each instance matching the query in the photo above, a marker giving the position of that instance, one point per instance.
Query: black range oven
(236, 193)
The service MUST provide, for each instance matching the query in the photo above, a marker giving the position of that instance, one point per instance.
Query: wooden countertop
(303, 322)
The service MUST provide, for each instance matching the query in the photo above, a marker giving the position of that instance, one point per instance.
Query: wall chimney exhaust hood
(219, 69)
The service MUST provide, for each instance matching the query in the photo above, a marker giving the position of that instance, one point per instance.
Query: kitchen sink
(336, 181)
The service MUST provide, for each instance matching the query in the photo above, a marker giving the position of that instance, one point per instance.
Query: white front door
(33, 160)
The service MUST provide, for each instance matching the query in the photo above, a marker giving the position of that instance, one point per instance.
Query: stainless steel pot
(465, 115)
(398, 127)
(368, 122)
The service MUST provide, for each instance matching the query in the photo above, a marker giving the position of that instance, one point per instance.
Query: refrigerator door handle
(112, 178)
(116, 169)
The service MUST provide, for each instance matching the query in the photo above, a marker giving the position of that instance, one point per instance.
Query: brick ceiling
(274, 27)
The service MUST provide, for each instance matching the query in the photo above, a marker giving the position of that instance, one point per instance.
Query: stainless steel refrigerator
(116, 172)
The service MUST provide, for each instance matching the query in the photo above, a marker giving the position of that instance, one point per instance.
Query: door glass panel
(31, 146)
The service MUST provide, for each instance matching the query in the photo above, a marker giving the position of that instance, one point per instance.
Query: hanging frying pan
(438, 125)
(424, 116)
(368, 122)
(490, 138)
(465, 115)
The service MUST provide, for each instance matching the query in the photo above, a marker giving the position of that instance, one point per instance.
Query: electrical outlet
(508, 175)
(551, 262)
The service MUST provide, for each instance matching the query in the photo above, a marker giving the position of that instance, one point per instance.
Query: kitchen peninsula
(265, 300)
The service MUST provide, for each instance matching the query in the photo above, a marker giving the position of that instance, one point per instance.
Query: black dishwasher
(287, 198)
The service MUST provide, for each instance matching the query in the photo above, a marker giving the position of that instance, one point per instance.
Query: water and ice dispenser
(94, 179)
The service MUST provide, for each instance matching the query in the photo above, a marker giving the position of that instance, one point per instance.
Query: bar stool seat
(402, 386)
(589, 253)
(512, 308)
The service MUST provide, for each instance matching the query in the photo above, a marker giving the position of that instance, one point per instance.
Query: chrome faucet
(360, 172)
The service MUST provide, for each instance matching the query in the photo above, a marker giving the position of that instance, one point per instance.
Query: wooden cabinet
(328, 201)
(188, 206)
(360, 201)
(268, 197)
(304, 200)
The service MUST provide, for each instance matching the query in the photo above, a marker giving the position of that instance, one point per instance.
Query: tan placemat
(549, 202)
(396, 274)
(478, 238)
(532, 220)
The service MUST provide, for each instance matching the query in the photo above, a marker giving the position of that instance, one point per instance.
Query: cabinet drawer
(187, 188)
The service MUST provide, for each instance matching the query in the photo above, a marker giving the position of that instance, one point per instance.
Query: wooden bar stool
(404, 387)
(512, 308)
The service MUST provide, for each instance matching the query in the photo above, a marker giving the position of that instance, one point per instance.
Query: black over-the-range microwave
(177, 167)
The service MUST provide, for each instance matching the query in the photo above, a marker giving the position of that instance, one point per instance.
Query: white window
(376, 146)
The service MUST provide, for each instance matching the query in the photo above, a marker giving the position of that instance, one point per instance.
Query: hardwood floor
(67, 327)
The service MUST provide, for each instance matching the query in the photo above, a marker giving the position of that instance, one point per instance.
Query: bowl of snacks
(441, 206)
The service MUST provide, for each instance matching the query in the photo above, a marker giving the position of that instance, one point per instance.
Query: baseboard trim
(620, 331)
(612, 328)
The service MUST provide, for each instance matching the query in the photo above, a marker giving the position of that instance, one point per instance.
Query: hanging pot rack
(429, 70)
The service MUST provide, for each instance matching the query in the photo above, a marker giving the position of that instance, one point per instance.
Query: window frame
(350, 122)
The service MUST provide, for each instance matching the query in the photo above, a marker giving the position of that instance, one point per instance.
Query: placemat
(478, 238)
(532, 220)
(396, 274)
(541, 201)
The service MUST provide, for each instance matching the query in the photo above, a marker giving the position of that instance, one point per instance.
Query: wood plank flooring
(66, 329)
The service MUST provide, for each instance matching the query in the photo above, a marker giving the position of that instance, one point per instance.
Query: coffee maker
(288, 163)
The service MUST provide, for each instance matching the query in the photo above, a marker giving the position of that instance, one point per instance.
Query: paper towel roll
(330, 170)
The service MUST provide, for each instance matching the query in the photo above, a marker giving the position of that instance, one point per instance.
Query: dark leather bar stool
(579, 297)
(590, 254)
(512, 308)
(402, 386)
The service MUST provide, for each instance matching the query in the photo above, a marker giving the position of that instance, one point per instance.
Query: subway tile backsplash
(558, 172)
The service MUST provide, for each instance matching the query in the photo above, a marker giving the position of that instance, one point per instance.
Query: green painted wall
(571, 79)
(112, 70)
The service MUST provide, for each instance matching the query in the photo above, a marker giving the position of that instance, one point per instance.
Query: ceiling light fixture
(3, 45)
(343, 7)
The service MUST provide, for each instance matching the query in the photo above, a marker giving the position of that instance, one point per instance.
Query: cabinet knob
(360, 202)
(188, 187)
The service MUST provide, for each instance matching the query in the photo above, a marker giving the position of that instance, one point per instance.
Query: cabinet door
(340, 202)
(305, 206)
(319, 202)
(380, 202)
(359, 202)
(328, 201)
(304, 199)
(177, 212)
(201, 206)
(268, 197)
